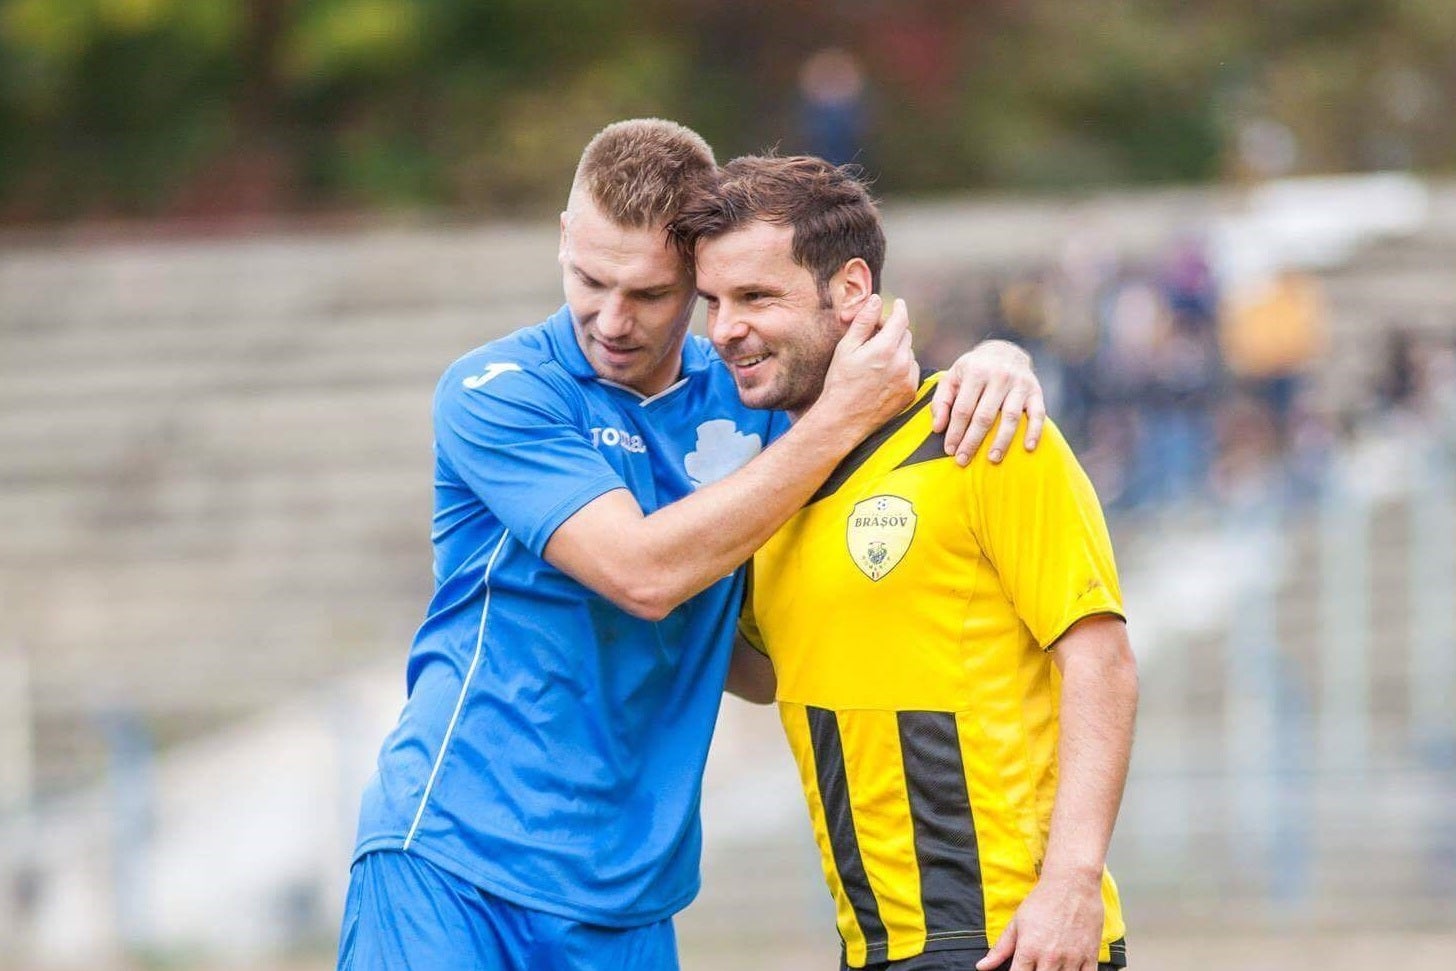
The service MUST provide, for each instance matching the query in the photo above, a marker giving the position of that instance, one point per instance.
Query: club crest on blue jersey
(879, 533)
(721, 450)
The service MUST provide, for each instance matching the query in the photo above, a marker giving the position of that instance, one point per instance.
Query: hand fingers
(940, 402)
(862, 327)
(1029, 957)
(981, 420)
(1035, 418)
(901, 368)
(959, 418)
(1006, 428)
(907, 345)
(896, 325)
(957, 397)
(1001, 953)
(907, 361)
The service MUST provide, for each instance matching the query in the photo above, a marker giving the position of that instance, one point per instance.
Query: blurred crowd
(1177, 392)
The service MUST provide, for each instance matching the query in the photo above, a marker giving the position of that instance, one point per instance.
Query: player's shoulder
(1052, 450)
(519, 366)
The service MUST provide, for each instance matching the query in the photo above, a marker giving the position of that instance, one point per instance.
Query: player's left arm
(1037, 519)
(989, 385)
(1098, 707)
(1059, 924)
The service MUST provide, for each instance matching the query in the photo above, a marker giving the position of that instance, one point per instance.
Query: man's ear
(561, 245)
(850, 288)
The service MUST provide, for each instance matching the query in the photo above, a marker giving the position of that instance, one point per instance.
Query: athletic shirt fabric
(909, 610)
(551, 746)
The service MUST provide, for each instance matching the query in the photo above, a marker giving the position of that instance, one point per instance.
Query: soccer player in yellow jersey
(946, 644)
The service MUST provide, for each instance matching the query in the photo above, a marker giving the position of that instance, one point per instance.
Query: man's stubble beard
(802, 384)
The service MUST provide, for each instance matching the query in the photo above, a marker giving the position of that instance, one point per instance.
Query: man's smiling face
(766, 316)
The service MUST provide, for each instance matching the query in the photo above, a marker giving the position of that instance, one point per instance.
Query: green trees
(220, 107)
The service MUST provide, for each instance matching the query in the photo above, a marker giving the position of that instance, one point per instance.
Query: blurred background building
(239, 241)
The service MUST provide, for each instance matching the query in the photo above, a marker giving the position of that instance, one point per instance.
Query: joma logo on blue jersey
(492, 371)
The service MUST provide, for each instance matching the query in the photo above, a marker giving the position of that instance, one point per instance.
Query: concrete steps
(214, 483)
(215, 461)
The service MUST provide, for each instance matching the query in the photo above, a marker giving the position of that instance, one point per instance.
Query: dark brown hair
(638, 172)
(829, 207)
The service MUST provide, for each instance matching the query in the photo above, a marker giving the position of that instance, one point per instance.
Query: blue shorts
(403, 912)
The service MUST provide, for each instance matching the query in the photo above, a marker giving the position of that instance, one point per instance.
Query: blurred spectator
(1187, 373)
(1418, 381)
(1272, 337)
(1248, 445)
(1397, 386)
(1081, 274)
(1311, 446)
(1132, 319)
(832, 116)
(1137, 358)
(1439, 387)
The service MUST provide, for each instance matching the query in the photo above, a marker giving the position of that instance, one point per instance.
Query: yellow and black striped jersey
(908, 609)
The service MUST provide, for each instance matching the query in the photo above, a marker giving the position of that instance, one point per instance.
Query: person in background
(833, 116)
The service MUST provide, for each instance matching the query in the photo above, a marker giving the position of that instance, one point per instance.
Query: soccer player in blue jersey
(598, 484)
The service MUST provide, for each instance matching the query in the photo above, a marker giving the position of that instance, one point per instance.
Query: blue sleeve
(519, 445)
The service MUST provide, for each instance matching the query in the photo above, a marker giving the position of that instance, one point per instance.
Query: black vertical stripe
(839, 820)
(945, 834)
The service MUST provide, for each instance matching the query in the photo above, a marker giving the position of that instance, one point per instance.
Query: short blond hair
(640, 171)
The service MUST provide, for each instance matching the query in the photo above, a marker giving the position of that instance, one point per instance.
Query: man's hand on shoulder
(992, 384)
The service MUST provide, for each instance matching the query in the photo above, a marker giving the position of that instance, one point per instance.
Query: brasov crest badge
(879, 533)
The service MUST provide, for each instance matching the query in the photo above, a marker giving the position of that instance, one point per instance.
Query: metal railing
(1300, 763)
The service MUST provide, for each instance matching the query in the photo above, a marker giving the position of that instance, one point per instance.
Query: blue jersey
(552, 745)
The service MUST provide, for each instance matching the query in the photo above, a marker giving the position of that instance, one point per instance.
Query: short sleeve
(517, 443)
(1037, 519)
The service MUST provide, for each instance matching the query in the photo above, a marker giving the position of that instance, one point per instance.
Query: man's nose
(615, 317)
(726, 326)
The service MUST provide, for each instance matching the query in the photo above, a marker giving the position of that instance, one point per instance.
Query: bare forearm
(649, 564)
(690, 544)
(1098, 709)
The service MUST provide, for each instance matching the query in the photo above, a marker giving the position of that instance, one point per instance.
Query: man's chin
(627, 374)
(759, 397)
